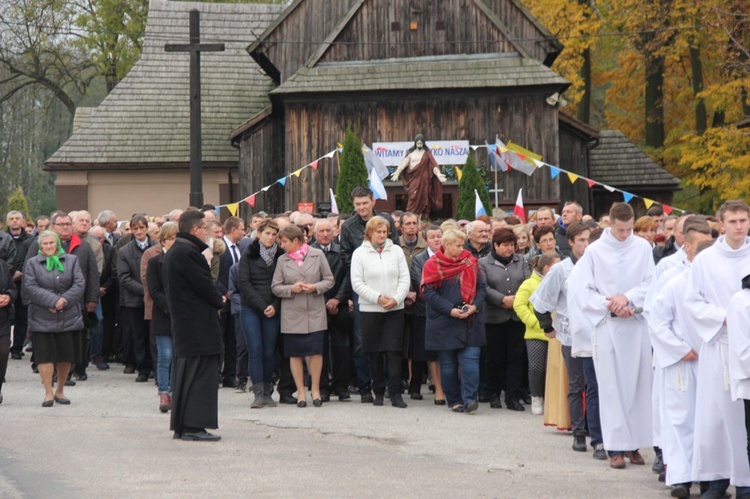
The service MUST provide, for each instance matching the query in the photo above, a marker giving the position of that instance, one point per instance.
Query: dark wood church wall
(313, 127)
(574, 157)
(523, 31)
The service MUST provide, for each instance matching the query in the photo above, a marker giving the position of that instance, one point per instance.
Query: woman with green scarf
(53, 287)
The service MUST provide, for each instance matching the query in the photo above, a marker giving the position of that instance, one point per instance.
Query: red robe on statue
(424, 189)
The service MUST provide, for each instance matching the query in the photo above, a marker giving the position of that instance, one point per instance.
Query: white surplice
(621, 347)
(738, 327)
(552, 296)
(720, 446)
(672, 337)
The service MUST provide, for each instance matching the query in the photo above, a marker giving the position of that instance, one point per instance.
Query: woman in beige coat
(301, 278)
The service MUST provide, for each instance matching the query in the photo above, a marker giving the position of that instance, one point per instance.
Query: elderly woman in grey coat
(301, 278)
(53, 287)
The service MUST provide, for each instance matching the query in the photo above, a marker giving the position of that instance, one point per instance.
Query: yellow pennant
(296, 174)
(459, 173)
(528, 156)
(339, 145)
(573, 177)
(233, 208)
(648, 202)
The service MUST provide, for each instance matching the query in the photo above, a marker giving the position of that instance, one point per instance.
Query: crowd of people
(616, 328)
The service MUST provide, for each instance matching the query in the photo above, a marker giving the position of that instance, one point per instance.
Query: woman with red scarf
(454, 290)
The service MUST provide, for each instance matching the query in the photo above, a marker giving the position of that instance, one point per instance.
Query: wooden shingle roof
(616, 161)
(145, 120)
(423, 73)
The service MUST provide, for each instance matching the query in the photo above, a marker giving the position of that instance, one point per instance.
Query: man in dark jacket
(571, 213)
(8, 295)
(16, 229)
(674, 242)
(131, 293)
(194, 303)
(232, 374)
(107, 282)
(478, 239)
(339, 360)
(352, 235)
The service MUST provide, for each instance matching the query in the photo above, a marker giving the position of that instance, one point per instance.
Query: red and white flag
(518, 209)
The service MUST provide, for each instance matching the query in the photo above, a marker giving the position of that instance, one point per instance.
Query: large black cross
(195, 47)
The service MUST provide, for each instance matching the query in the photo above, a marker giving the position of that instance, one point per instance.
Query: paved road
(112, 441)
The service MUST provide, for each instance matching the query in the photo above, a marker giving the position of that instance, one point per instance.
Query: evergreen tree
(471, 178)
(352, 171)
(17, 201)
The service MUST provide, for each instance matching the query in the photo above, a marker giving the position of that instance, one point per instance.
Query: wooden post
(195, 47)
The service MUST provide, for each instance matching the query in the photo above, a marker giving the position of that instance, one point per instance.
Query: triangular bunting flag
(282, 181)
(266, 188)
(331, 154)
(314, 165)
(667, 209)
(296, 173)
(459, 173)
(573, 177)
(538, 163)
(609, 188)
(339, 145)
(251, 201)
(627, 196)
(590, 182)
(217, 209)
(334, 206)
(554, 172)
(648, 202)
(233, 208)
(474, 148)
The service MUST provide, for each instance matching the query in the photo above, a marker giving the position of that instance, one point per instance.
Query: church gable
(414, 28)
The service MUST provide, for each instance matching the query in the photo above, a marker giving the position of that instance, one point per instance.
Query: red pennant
(667, 209)
(251, 200)
(314, 165)
(591, 183)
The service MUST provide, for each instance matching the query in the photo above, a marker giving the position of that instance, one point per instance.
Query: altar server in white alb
(609, 285)
(738, 327)
(676, 343)
(720, 446)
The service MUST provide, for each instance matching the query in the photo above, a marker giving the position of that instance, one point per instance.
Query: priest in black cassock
(194, 302)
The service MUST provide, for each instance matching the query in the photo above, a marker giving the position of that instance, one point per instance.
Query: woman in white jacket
(380, 276)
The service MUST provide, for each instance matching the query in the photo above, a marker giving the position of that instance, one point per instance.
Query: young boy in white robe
(720, 445)
(676, 343)
(738, 329)
(609, 285)
(551, 296)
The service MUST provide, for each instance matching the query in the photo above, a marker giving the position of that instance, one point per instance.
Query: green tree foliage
(352, 170)
(17, 201)
(471, 178)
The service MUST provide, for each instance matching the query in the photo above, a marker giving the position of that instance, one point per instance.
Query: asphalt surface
(113, 442)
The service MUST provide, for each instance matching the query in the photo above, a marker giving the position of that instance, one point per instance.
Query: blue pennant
(554, 172)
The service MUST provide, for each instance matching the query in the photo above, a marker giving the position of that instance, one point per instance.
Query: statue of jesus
(423, 180)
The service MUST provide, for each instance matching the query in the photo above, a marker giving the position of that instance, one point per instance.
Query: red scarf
(440, 268)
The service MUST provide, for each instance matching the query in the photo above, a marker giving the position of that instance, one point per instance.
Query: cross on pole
(195, 47)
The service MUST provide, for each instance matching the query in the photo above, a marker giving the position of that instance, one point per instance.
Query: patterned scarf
(53, 262)
(268, 254)
(440, 268)
(299, 255)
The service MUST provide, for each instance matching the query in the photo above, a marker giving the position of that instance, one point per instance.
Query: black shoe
(471, 407)
(416, 396)
(344, 396)
(141, 378)
(439, 402)
(681, 490)
(200, 436)
(495, 402)
(658, 465)
(62, 400)
(301, 404)
(318, 402)
(378, 400)
(16, 356)
(526, 399)
(285, 398)
(229, 383)
(48, 403)
(599, 452)
(398, 401)
(70, 382)
(82, 377)
(514, 405)
(324, 397)
(484, 397)
(34, 369)
(579, 443)
(241, 387)
(366, 398)
(128, 370)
